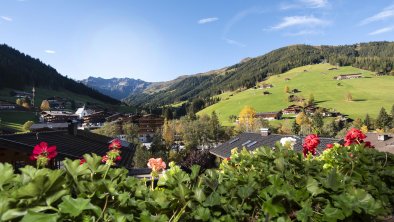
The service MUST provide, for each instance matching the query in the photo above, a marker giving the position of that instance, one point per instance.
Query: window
(251, 144)
(234, 140)
(243, 144)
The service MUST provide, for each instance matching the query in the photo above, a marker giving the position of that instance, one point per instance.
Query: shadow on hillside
(321, 101)
(288, 117)
(359, 100)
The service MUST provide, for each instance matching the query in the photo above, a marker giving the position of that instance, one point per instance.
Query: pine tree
(215, 127)
(383, 121)
(295, 128)
(317, 122)
(368, 122)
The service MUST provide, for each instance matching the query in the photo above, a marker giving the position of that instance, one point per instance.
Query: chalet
(292, 109)
(269, 115)
(57, 102)
(83, 111)
(252, 141)
(265, 93)
(310, 109)
(381, 142)
(148, 124)
(57, 116)
(115, 117)
(333, 68)
(5, 105)
(70, 143)
(266, 86)
(95, 119)
(348, 76)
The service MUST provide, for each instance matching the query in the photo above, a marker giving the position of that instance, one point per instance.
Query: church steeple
(34, 95)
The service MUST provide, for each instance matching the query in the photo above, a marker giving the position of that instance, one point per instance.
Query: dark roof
(257, 140)
(68, 145)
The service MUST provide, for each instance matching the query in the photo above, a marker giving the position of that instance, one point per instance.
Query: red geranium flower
(43, 150)
(354, 136)
(329, 146)
(118, 158)
(116, 144)
(368, 144)
(82, 161)
(310, 144)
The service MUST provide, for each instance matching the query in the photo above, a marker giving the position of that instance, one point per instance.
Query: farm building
(269, 115)
(266, 86)
(348, 76)
(292, 109)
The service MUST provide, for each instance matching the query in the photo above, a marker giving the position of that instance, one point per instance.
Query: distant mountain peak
(118, 88)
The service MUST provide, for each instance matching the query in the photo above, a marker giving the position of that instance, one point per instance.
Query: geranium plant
(43, 153)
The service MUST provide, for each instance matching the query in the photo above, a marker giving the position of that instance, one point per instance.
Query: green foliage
(383, 121)
(265, 185)
(26, 126)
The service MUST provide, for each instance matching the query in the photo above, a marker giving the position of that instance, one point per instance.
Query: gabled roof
(251, 141)
(68, 145)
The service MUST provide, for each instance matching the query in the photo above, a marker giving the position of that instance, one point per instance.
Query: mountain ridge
(19, 71)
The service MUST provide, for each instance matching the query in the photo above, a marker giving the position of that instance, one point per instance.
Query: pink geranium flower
(156, 164)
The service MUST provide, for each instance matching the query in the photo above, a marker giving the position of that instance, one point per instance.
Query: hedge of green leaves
(344, 183)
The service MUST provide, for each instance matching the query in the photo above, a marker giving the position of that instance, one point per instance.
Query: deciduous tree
(45, 105)
(247, 117)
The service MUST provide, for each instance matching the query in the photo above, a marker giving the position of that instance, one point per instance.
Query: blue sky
(160, 40)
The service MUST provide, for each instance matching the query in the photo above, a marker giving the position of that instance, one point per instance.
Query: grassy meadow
(369, 93)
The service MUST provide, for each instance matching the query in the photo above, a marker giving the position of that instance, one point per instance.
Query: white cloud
(50, 51)
(315, 3)
(310, 21)
(207, 20)
(304, 32)
(382, 30)
(233, 42)
(6, 18)
(383, 15)
(304, 4)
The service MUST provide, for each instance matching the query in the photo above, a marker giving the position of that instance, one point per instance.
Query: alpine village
(300, 132)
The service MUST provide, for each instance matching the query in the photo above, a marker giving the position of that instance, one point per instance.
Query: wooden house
(269, 115)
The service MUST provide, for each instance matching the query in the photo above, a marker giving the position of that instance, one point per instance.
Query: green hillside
(369, 93)
(373, 56)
